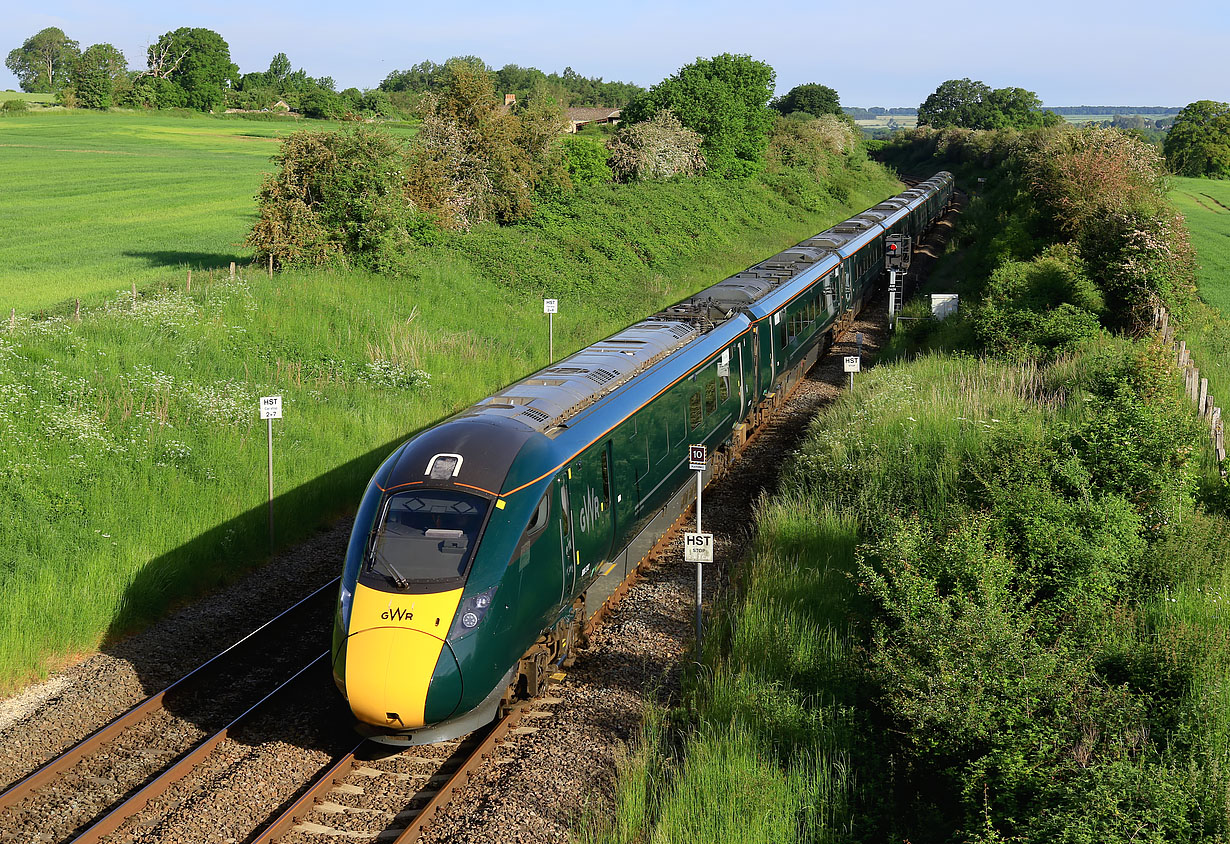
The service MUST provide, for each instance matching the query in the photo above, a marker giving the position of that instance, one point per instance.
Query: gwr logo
(397, 614)
(590, 510)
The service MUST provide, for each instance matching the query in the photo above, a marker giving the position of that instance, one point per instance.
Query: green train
(482, 545)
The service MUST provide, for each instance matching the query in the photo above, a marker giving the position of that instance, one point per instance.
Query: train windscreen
(425, 536)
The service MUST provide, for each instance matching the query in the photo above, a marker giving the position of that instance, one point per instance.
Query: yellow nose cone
(388, 671)
(394, 645)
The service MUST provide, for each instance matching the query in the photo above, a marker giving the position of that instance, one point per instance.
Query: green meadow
(132, 463)
(95, 202)
(1205, 204)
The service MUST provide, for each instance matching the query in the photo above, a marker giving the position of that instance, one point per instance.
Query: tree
(975, 105)
(195, 61)
(725, 99)
(279, 66)
(957, 102)
(811, 98)
(43, 63)
(99, 73)
(1198, 144)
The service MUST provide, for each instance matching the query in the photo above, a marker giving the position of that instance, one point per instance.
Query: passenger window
(606, 476)
(538, 521)
(710, 396)
(724, 387)
(694, 414)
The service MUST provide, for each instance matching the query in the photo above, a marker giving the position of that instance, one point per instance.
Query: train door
(592, 515)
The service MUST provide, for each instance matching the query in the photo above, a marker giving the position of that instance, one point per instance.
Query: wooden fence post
(188, 289)
(1204, 395)
(232, 269)
(134, 294)
(77, 311)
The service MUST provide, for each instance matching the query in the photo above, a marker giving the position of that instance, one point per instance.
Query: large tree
(98, 75)
(810, 98)
(725, 99)
(1198, 144)
(44, 62)
(969, 104)
(197, 64)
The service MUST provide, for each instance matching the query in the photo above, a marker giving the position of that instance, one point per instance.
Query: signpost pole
(550, 307)
(697, 459)
(270, 422)
(270, 409)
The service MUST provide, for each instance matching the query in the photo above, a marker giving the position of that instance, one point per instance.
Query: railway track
(85, 792)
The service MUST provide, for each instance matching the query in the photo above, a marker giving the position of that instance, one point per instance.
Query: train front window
(425, 536)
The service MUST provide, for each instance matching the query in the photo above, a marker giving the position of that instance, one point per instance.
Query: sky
(887, 53)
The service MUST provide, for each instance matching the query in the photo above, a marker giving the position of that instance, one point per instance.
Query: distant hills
(878, 111)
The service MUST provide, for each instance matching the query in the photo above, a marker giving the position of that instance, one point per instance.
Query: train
(482, 545)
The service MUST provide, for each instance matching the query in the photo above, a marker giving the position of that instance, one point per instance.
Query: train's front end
(424, 570)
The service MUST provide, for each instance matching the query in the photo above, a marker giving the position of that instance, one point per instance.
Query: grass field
(1205, 204)
(131, 461)
(95, 202)
(42, 99)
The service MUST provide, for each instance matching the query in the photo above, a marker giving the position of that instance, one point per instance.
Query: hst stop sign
(698, 548)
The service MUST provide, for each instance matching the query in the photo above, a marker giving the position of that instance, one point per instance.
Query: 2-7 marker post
(550, 307)
(271, 408)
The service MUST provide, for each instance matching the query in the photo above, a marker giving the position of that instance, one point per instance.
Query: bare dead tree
(162, 59)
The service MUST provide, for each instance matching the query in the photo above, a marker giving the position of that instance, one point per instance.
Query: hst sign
(698, 548)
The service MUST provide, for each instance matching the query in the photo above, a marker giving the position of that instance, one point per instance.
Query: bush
(586, 160)
(659, 148)
(15, 106)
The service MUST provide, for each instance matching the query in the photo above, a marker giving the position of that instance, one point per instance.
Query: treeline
(878, 111)
(363, 197)
(1084, 109)
(569, 87)
(192, 68)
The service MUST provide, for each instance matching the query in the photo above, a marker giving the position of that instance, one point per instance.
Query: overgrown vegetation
(364, 199)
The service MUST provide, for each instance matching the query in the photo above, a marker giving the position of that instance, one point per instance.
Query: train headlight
(471, 612)
(346, 600)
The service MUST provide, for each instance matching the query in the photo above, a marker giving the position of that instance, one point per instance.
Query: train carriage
(481, 545)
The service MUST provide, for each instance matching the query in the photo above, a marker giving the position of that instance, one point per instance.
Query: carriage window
(724, 387)
(606, 476)
(694, 414)
(710, 396)
(539, 520)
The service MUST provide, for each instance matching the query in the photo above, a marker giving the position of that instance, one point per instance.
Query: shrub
(15, 106)
(658, 148)
(586, 160)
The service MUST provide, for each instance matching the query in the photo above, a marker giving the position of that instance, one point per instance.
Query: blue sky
(887, 53)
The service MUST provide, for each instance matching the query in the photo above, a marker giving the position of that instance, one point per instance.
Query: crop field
(131, 460)
(41, 99)
(889, 121)
(96, 202)
(1205, 204)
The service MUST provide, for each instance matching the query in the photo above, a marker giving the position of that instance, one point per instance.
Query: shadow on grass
(233, 555)
(192, 260)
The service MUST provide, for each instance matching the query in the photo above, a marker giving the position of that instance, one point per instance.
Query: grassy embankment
(131, 460)
(987, 604)
(94, 202)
